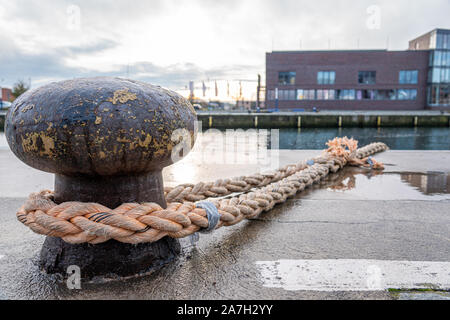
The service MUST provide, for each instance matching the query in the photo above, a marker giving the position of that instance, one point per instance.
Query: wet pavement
(402, 214)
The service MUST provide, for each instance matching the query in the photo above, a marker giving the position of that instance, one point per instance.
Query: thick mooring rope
(77, 222)
(224, 187)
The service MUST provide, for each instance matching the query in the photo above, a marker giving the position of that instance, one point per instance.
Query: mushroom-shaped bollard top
(106, 139)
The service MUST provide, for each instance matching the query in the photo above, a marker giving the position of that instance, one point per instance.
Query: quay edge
(314, 120)
(322, 120)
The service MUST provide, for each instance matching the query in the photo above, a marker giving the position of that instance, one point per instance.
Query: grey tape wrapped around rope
(370, 162)
(213, 216)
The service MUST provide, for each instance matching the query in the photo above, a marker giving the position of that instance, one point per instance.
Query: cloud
(171, 42)
(50, 66)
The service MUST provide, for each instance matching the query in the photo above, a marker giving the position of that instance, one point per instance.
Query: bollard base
(109, 259)
(111, 191)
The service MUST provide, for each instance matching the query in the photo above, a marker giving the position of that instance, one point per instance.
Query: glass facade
(439, 72)
(442, 40)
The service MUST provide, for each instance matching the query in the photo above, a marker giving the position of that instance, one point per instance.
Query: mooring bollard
(107, 141)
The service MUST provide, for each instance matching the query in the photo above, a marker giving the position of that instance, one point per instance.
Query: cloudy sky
(171, 42)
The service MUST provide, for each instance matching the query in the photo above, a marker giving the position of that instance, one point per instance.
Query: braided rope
(224, 187)
(77, 222)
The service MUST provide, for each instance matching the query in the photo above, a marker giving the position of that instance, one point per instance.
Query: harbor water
(315, 139)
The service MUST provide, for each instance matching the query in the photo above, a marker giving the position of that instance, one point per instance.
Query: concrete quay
(366, 224)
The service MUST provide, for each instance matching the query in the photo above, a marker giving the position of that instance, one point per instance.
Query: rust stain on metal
(122, 96)
(146, 142)
(36, 120)
(38, 142)
(27, 108)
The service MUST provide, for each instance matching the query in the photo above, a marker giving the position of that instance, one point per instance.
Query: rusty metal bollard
(107, 141)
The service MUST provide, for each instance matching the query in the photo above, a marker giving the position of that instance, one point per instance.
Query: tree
(19, 88)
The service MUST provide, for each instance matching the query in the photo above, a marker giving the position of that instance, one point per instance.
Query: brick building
(415, 79)
(6, 94)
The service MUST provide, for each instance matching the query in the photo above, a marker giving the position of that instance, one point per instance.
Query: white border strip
(354, 275)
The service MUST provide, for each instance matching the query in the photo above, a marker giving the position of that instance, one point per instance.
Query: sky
(172, 42)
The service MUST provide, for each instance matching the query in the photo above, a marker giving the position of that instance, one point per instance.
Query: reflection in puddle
(346, 179)
(430, 183)
(377, 185)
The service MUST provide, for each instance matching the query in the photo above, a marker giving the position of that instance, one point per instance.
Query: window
(408, 76)
(291, 95)
(443, 41)
(439, 75)
(444, 95)
(386, 95)
(367, 77)
(320, 94)
(358, 94)
(446, 58)
(332, 94)
(445, 75)
(282, 95)
(326, 77)
(366, 94)
(439, 95)
(325, 94)
(432, 95)
(306, 94)
(286, 78)
(286, 95)
(436, 75)
(440, 58)
(407, 94)
(345, 94)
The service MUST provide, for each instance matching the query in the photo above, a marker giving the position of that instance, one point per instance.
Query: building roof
(321, 51)
(430, 32)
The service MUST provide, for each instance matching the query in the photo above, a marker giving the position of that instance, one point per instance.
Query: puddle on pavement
(356, 183)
